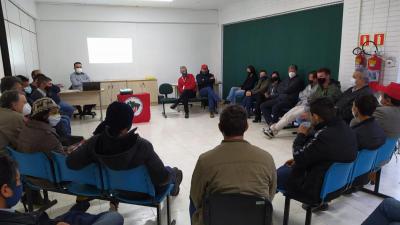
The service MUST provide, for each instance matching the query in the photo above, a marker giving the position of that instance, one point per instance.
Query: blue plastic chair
(83, 182)
(385, 153)
(135, 180)
(35, 165)
(363, 164)
(336, 178)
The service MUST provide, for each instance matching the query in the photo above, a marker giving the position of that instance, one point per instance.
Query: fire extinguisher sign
(364, 38)
(379, 39)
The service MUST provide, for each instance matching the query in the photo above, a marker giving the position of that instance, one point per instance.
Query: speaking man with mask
(187, 90)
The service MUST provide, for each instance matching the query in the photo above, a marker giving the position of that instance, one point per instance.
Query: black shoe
(173, 106)
(178, 181)
(81, 206)
(256, 120)
(227, 102)
(187, 115)
(316, 208)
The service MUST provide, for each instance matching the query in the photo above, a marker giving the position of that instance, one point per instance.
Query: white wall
(28, 6)
(359, 16)
(21, 39)
(163, 40)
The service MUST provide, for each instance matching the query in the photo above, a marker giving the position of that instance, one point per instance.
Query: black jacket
(120, 153)
(16, 218)
(314, 154)
(291, 87)
(345, 102)
(203, 80)
(36, 94)
(369, 134)
(249, 83)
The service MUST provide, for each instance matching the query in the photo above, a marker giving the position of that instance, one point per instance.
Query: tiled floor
(179, 142)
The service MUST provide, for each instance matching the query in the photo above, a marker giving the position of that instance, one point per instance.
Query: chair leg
(377, 180)
(158, 215)
(163, 106)
(308, 216)
(286, 212)
(169, 212)
(29, 199)
(46, 196)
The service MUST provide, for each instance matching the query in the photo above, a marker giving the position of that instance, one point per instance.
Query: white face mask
(54, 120)
(78, 70)
(26, 111)
(353, 81)
(292, 74)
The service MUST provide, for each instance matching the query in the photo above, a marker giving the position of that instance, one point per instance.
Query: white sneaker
(269, 133)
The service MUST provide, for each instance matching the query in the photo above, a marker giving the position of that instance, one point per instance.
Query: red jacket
(186, 83)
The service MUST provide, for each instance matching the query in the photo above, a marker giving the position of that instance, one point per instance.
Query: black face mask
(273, 79)
(184, 74)
(311, 82)
(321, 81)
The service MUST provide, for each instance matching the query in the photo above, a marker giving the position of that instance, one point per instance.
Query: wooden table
(76, 97)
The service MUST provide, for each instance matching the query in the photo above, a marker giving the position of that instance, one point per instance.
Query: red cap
(204, 67)
(393, 90)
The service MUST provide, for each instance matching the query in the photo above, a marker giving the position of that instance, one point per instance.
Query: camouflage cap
(43, 104)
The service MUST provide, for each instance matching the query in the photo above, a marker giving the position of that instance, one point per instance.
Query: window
(110, 50)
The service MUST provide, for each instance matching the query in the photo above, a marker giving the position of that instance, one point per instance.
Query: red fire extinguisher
(360, 61)
(374, 68)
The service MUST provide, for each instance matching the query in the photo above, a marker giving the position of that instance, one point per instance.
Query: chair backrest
(165, 89)
(36, 165)
(90, 175)
(337, 177)
(134, 180)
(363, 164)
(237, 209)
(385, 152)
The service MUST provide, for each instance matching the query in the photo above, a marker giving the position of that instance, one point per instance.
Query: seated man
(78, 77)
(387, 213)
(205, 82)
(10, 194)
(287, 98)
(187, 90)
(370, 136)
(10, 83)
(388, 115)
(257, 94)
(25, 84)
(11, 118)
(43, 84)
(327, 87)
(345, 102)
(120, 149)
(315, 149)
(247, 85)
(298, 110)
(235, 166)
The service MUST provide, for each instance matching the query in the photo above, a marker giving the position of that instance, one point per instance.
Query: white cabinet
(32, 25)
(12, 13)
(17, 49)
(24, 18)
(35, 53)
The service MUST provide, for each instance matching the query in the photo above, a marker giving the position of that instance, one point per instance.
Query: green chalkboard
(310, 39)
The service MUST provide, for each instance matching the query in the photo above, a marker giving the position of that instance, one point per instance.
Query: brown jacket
(232, 167)
(11, 124)
(38, 136)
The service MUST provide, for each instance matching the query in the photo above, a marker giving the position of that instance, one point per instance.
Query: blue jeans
(66, 109)
(110, 218)
(283, 174)
(63, 128)
(247, 103)
(387, 213)
(233, 93)
(213, 98)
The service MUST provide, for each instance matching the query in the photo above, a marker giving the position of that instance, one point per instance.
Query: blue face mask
(13, 200)
(28, 90)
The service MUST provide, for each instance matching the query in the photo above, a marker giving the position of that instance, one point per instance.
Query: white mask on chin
(54, 120)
